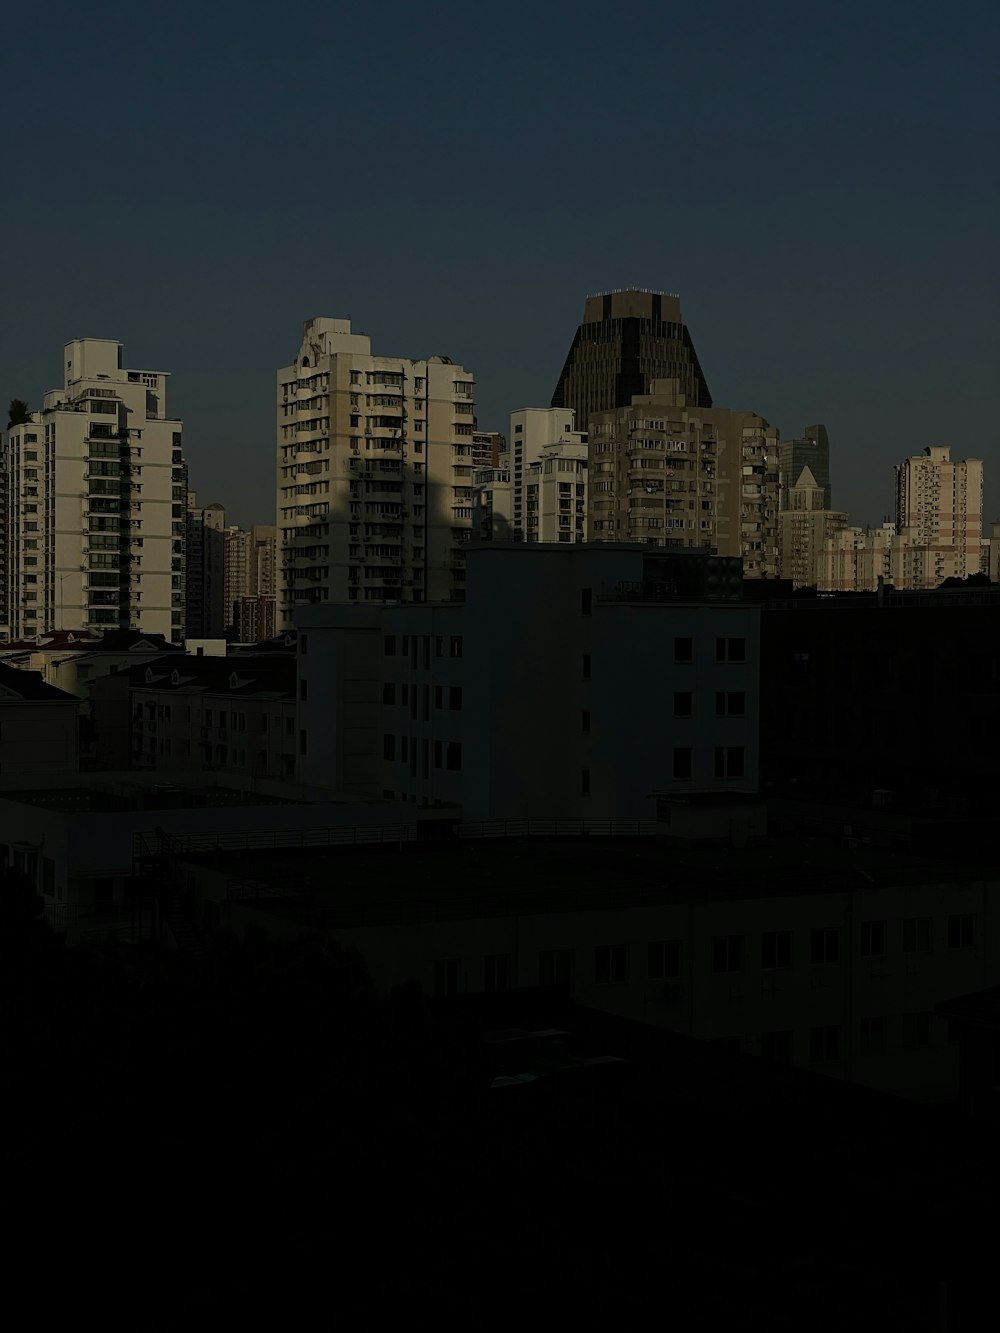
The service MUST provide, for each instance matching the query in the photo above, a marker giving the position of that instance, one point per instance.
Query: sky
(818, 182)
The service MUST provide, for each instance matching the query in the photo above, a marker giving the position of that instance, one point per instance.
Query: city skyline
(820, 281)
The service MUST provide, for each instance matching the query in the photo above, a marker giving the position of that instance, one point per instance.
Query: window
(497, 971)
(586, 599)
(585, 723)
(730, 703)
(388, 746)
(456, 645)
(729, 761)
(388, 693)
(664, 959)
(776, 1046)
(447, 976)
(872, 939)
(961, 931)
(611, 964)
(455, 697)
(916, 1030)
(303, 743)
(684, 649)
(438, 750)
(824, 1044)
(555, 967)
(453, 758)
(439, 646)
(585, 781)
(303, 644)
(303, 690)
(389, 645)
(683, 703)
(824, 946)
(776, 948)
(872, 1033)
(730, 650)
(682, 762)
(727, 953)
(916, 934)
(586, 666)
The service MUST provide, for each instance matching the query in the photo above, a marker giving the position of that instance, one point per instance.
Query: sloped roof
(240, 676)
(17, 686)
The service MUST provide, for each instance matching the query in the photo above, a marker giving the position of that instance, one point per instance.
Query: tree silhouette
(17, 413)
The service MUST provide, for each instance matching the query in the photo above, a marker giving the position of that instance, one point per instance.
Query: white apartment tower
(374, 475)
(939, 518)
(534, 430)
(97, 502)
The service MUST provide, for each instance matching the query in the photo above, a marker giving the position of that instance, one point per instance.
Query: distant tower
(627, 340)
(812, 452)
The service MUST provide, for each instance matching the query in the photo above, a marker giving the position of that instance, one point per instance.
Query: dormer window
(149, 676)
(175, 677)
(234, 681)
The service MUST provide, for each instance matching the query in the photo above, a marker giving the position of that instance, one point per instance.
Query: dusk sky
(819, 183)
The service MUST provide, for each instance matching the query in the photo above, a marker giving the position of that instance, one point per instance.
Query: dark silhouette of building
(628, 339)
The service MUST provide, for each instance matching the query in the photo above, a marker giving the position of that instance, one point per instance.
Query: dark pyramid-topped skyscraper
(628, 339)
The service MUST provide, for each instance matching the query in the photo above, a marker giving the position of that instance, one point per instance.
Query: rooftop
(18, 686)
(121, 797)
(351, 887)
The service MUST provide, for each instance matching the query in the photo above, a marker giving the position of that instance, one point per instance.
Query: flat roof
(386, 884)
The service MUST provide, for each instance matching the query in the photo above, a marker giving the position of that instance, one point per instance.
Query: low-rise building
(39, 727)
(616, 673)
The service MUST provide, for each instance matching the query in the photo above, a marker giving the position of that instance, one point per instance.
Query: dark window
(437, 754)
(824, 1044)
(438, 696)
(388, 693)
(776, 948)
(456, 645)
(730, 650)
(664, 959)
(454, 756)
(585, 781)
(730, 703)
(611, 963)
(497, 971)
(303, 690)
(585, 722)
(455, 697)
(389, 645)
(555, 967)
(682, 761)
(303, 644)
(683, 703)
(586, 666)
(916, 934)
(872, 1033)
(388, 746)
(303, 743)
(824, 944)
(729, 761)
(447, 975)
(916, 1030)
(776, 1046)
(439, 646)
(684, 649)
(727, 953)
(961, 931)
(586, 598)
(872, 939)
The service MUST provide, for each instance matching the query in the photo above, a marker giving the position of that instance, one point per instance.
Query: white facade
(493, 505)
(374, 475)
(533, 430)
(555, 494)
(581, 703)
(805, 527)
(96, 508)
(939, 518)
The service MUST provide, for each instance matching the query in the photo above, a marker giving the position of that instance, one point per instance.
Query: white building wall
(97, 502)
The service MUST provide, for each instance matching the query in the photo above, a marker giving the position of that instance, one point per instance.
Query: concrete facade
(374, 475)
(97, 501)
(806, 525)
(205, 581)
(939, 518)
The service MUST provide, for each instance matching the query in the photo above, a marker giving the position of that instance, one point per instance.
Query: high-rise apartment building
(536, 432)
(855, 559)
(493, 505)
(939, 518)
(205, 574)
(374, 475)
(488, 446)
(251, 581)
(96, 515)
(628, 339)
(668, 472)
